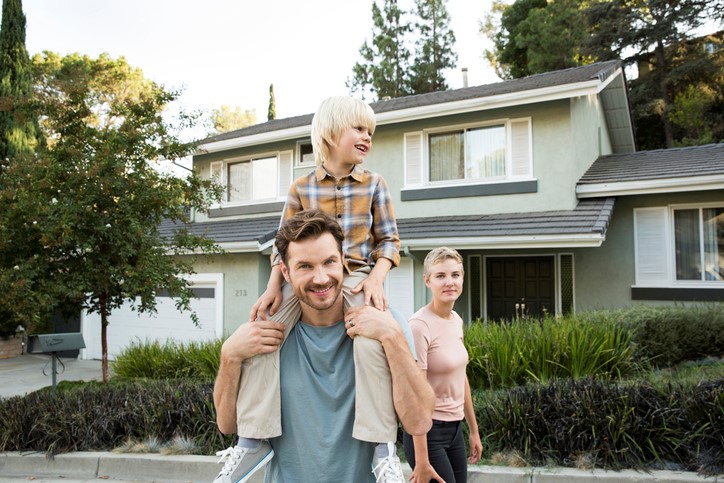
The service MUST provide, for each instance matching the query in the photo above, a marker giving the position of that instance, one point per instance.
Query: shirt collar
(358, 174)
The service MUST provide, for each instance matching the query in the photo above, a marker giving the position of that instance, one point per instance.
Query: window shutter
(651, 246)
(285, 172)
(413, 159)
(565, 277)
(216, 171)
(520, 143)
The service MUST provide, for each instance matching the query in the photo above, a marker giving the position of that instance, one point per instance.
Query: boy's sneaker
(241, 463)
(388, 469)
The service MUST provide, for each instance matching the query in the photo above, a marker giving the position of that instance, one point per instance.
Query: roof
(538, 84)
(663, 170)
(584, 225)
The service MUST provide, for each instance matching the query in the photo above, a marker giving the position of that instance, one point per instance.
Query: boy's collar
(357, 173)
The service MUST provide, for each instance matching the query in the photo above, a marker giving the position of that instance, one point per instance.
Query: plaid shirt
(361, 204)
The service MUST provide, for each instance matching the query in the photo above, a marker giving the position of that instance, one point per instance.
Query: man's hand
(424, 473)
(251, 339)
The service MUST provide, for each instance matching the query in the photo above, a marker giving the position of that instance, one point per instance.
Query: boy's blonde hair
(441, 254)
(335, 114)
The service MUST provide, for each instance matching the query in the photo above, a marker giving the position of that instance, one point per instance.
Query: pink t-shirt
(441, 352)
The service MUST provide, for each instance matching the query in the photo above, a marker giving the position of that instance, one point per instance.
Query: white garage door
(126, 326)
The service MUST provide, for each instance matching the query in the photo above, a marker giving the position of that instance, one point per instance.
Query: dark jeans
(446, 450)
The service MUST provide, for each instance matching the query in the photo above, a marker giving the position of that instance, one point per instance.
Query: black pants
(446, 450)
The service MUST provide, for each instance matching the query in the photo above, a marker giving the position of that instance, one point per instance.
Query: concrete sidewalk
(30, 372)
(85, 467)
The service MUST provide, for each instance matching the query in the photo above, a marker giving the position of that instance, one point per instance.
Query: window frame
(668, 265)
(222, 167)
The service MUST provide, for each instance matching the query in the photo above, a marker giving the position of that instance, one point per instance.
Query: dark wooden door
(520, 287)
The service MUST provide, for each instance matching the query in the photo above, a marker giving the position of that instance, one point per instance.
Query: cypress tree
(19, 131)
(272, 113)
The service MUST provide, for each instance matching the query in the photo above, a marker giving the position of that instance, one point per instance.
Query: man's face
(314, 270)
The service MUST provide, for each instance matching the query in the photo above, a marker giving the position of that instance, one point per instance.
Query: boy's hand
(270, 301)
(251, 339)
(374, 292)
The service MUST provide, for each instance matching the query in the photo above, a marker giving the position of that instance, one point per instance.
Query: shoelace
(389, 467)
(231, 456)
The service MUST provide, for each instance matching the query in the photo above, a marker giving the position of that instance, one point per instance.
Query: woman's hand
(476, 448)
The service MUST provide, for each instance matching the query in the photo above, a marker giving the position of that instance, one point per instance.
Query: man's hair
(441, 254)
(334, 115)
(307, 224)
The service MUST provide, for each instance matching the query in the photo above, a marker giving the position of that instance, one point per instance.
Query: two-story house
(536, 181)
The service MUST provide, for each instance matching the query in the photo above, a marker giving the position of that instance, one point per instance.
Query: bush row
(170, 360)
(98, 417)
(609, 425)
(601, 344)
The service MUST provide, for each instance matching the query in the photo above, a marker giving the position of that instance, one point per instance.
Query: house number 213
(240, 292)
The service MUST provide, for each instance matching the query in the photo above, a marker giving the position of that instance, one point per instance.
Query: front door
(520, 287)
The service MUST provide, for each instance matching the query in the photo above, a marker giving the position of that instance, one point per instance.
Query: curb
(203, 469)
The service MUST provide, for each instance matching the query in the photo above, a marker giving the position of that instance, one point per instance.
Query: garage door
(399, 288)
(126, 326)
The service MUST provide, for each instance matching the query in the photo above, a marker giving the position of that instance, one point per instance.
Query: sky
(228, 52)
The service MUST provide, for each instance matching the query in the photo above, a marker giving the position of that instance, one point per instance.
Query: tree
(385, 64)
(272, 113)
(651, 31)
(434, 47)
(89, 206)
(227, 119)
(18, 128)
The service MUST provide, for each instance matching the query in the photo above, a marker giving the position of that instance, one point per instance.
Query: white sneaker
(388, 469)
(241, 463)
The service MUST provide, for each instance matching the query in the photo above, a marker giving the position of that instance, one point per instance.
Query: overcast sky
(229, 51)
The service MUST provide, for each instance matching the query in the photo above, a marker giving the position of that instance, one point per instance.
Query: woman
(438, 333)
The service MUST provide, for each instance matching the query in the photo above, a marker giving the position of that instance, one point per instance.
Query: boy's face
(352, 147)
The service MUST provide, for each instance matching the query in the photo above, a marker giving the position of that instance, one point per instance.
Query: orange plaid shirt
(361, 204)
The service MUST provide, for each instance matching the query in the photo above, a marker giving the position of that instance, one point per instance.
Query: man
(317, 366)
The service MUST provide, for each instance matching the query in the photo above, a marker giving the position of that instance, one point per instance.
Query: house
(536, 181)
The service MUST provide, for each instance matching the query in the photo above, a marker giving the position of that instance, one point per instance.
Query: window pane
(713, 243)
(688, 255)
(447, 159)
(486, 152)
(264, 174)
(239, 187)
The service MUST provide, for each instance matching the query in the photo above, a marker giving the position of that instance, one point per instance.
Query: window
(252, 180)
(306, 154)
(679, 245)
(493, 152)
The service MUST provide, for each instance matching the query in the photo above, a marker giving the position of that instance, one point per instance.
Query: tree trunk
(104, 337)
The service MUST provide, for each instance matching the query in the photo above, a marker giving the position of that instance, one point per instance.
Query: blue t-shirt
(318, 398)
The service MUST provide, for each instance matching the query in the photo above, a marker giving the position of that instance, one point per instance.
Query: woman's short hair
(307, 224)
(441, 254)
(334, 115)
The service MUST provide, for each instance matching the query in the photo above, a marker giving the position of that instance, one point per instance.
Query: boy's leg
(258, 404)
(375, 417)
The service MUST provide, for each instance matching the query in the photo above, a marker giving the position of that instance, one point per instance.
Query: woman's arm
(476, 446)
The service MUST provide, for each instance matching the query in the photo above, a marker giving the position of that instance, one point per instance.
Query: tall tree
(651, 31)
(383, 71)
(228, 118)
(434, 47)
(272, 113)
(18, 126)
(92, 202)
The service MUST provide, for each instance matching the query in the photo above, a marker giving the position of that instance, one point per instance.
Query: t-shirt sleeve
(421, 336)
(405, 326)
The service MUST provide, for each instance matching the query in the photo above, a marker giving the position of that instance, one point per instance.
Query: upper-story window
(680, 245)
(255, 179)
(469, 154)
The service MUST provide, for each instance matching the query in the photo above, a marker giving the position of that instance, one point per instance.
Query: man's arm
(412, 395)
(250, 339)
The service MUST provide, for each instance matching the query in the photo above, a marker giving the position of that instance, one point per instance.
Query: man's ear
(285, 270)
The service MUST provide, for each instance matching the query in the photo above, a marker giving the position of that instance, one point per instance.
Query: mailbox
(49, 343)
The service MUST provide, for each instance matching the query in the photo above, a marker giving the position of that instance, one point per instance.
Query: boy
(360, 201)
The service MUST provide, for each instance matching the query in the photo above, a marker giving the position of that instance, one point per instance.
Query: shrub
(616, 426)
(98, 417)
(513, 353)
(171, 360)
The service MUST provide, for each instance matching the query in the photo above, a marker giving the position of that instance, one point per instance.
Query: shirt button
(339, 216)
(339, 188)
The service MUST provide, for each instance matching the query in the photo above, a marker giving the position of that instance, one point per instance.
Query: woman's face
(445, 280)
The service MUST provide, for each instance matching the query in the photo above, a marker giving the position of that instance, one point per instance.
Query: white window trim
(281, 193)
(507, 125)
(298, 161)
(669, 280)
